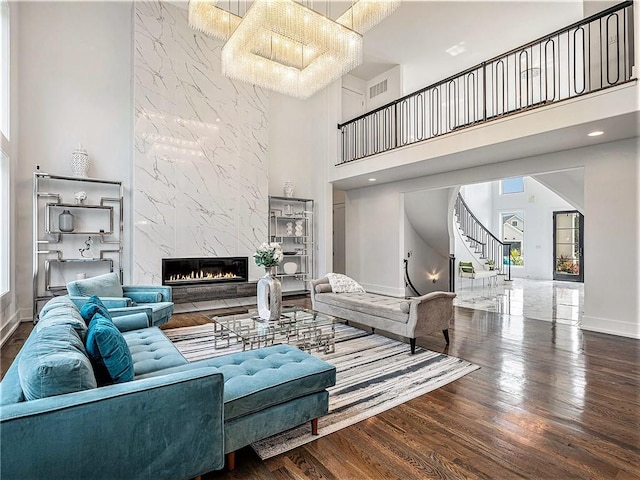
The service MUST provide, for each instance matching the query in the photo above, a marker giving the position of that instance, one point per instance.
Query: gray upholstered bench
(410, 318)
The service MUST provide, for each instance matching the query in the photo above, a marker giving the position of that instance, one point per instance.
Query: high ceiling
(418, 34)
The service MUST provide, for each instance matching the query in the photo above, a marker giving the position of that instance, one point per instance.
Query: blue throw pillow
(54, 362)
(109, 352)
(91, 307)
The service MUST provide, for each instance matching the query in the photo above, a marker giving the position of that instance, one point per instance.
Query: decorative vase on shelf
(65, 221)
(288, 189)
(290, 268)
(269, 296)
(80, 162)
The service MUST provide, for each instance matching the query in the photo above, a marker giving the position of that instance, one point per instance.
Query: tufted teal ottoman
(268, 391)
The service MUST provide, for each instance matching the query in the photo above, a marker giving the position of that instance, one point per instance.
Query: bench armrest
(431, 313)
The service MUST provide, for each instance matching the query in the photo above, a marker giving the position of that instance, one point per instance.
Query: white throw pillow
(343, 284)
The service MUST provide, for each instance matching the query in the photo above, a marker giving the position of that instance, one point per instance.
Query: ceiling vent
(378, 89)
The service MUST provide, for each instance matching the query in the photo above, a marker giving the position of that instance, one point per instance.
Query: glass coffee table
(306, 329)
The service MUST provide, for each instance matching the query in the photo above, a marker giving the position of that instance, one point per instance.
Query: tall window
(513, 233)
(5, 159)
(512, 185)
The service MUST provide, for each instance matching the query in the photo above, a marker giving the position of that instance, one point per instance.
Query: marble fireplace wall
(200, 180)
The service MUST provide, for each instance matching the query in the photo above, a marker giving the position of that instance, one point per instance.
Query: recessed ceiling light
(596, 133)
(456, 49)
(372, 179)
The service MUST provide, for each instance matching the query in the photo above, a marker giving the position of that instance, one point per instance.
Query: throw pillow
(107, 285)
(64, 315)
(54, 362)
(324, 288)
(343, 284)
(91, 307)
(108, 352)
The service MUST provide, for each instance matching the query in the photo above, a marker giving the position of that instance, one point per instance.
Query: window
(5, 159)
(512, 185)
(513, 233)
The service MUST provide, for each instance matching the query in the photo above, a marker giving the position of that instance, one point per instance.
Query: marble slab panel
(201, 142)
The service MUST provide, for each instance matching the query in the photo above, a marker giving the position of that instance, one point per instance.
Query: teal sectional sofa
(173, 420)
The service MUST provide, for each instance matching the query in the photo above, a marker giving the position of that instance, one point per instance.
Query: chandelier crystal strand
(365, 14)
(206, 17)
(284, 46)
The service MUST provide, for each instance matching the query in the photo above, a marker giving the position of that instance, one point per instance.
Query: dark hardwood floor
(549, 402)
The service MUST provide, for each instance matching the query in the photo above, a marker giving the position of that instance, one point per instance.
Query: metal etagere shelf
(291, 225)
(61, 255)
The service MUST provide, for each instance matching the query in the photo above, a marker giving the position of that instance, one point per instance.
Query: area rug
(374, 374)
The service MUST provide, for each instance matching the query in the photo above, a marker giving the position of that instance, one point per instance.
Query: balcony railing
(590, 55)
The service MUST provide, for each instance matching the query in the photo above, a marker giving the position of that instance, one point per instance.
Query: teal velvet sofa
(153, 300)
(173, 420)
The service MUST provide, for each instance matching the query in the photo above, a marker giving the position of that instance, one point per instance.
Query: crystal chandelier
(284, 46)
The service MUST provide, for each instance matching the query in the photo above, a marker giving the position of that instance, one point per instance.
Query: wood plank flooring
(550, 402)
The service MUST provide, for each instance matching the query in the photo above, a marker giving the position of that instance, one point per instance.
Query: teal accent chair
(155, 301)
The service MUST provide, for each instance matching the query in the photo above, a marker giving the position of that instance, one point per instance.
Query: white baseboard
(611, 327)
(383, 290)
(9, 328)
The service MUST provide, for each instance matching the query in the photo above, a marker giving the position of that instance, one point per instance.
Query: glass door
(568, 252)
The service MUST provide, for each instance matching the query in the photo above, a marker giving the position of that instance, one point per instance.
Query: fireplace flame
(200, 275)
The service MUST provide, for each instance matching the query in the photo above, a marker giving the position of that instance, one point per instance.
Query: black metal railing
(590, 55)
(493, 251)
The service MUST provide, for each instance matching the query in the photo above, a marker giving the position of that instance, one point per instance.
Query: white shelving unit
(60, 256)
(291, 225)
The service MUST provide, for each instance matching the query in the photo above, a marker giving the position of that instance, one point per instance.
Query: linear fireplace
(205, 270)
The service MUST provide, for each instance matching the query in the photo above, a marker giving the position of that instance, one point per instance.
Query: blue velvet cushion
(55, 362)
(108, 352)
(91, 307)
(56, 302)
(63, 314)
(107, 285)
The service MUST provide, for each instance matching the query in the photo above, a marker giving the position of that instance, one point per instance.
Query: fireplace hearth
(204, 270)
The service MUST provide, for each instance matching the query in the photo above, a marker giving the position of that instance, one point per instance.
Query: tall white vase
(269, 296)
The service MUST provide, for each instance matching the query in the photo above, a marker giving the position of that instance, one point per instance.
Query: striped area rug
(374, 374)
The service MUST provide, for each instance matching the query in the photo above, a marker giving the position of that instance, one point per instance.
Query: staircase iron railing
(485, 243)
(590, 55)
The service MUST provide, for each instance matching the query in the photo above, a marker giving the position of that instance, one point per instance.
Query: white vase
(269, 296)
(290, 268)
(80, 162)
(288, 189)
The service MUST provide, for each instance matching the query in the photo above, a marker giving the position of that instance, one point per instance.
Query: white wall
(479, 198)
(374, 238)
(74, 86)
(568, 184)
(394, 88)
(611, 264)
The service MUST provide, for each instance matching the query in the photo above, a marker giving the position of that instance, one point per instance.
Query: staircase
(487, 247)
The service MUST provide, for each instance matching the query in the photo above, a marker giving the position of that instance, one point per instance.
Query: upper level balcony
(531, 100)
